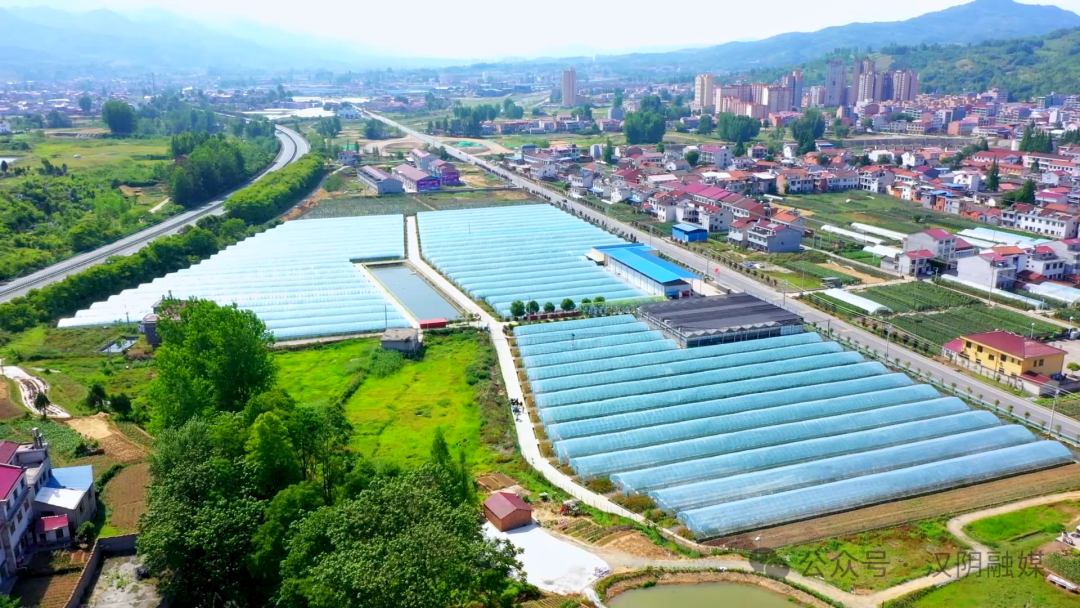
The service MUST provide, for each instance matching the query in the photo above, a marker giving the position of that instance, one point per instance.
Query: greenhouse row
(524, 252)
(751, 434)
(299, 278)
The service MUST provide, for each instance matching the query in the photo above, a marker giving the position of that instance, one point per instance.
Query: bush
(637, 503)
(106, 477)
(386, 363)
(601, 485)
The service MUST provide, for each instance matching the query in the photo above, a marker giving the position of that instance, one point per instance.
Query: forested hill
(1026, 67)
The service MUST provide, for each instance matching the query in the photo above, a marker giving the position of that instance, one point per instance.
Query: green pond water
(716, 595)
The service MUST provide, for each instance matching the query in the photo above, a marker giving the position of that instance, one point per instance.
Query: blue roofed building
(689, 233)
(69, 491)
(641, 267)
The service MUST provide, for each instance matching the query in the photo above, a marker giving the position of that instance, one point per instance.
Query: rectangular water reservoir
(413, 292)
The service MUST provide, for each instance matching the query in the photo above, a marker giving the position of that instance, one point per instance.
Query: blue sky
(555, 27)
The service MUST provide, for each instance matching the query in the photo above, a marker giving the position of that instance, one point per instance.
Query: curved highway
(293, 146)
(1035, 415)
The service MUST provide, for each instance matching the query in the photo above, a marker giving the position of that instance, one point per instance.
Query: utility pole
(888, 336)
(1053, 412)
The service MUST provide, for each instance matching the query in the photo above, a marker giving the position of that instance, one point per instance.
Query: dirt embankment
(712, 576)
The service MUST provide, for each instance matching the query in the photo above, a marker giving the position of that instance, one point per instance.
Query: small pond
(709, 595)
(414, 292)
(119, 345)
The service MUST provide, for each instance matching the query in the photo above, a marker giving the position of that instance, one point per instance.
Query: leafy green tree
(271, 455)
(1036, 140)
(609, 153)
(85, 534)
(96, 396)
(404, 541)
(549, 307)
(320, 434)
(268, 545)
(517, 308)
(201, 516)
(660, 147)
(1026, 194)
(41, 401)
(212, 358)
(121, 404)
(993, 177)
(734, 128)
(57, 120)
(598, 300)
(706, 124)
(532, 307)
(3, 167)
(86, 104)
(739, 150)
(567, 305)
(119, 116)
(644, 126)
(692, 157)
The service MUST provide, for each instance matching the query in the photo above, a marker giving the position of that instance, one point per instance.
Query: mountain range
(39, 42)
(967, 23)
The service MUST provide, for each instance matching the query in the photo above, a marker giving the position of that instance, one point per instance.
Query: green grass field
(93, 152)
(1011, 533)
(1026, 529)
(897, 555)
(395, 416)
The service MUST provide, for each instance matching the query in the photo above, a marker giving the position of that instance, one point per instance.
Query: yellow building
(1007, 357)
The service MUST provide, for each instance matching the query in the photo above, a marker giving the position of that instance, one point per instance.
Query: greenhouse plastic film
(650, 401)
(572, 335)
(543, 328)
(731, 423)
(805, 503)
(721, 407)
(652, 456)
(793, 477)
(645, 480)
(657, 344)
(685, 381)
(591, 343)
(686, 366)
(682, 354)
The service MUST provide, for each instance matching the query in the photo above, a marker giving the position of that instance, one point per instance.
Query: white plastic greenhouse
(870, 307)
(523, 252)
(751, 434)
(299, 278)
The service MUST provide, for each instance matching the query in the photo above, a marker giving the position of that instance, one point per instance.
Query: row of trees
(256, 500)
(520, 309)
(269, 197)
(807, 129)
(1036, 140)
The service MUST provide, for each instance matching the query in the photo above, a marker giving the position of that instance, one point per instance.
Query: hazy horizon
(436, 30)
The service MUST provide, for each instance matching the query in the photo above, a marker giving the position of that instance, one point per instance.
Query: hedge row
(260, 202)
(274, 194)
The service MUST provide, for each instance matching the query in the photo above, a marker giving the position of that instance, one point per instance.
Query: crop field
(917, 296)
(52, 591)
(125, 498)
(355, 206)
(819, 272)
(933, 506)
(451, 204)
(883, 211)
(903, 552)
(945, 326)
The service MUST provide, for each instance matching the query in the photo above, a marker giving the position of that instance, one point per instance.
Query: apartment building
(704, 92)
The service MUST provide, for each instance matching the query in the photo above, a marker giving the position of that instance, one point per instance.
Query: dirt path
(30, 387)
(160, 206)
(116, 445)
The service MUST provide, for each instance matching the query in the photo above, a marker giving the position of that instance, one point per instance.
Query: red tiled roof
(962, 244)
(502, 504)
(9, 476)
(1014, 344)
(919, 254)
(48, 524)
(1008, 250)
(7, 451)
(938, 233)
(956, 346)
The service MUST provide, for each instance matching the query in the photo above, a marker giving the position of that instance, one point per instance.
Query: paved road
(293, 146)
(725, 277)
